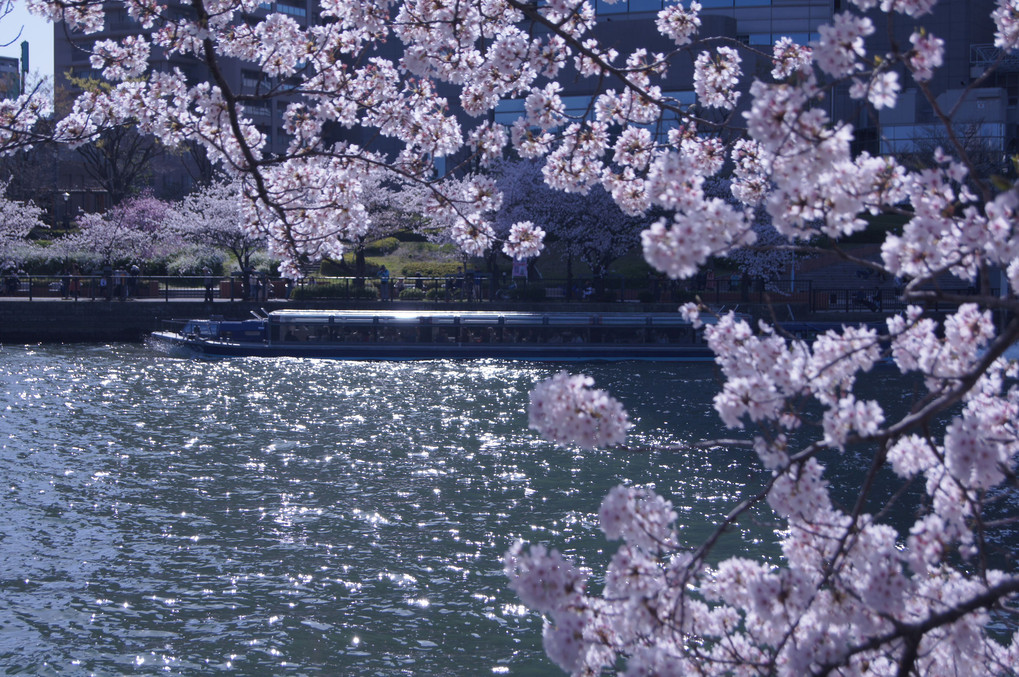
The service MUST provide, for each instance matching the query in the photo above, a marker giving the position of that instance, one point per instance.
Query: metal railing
(729, 292)
(136, 287)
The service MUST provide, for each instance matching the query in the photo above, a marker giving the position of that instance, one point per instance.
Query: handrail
(481, 287)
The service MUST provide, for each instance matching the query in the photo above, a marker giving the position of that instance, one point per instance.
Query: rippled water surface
(275, 517)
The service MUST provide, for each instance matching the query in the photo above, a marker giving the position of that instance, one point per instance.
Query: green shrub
(383, 247)
(330, 268)
(436, 294)
(262, 262)
(334, 291)
(412, 294)
(431, 269)
(194, 260)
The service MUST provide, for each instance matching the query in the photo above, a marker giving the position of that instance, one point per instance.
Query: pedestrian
(11, 280)
(132, 281)
(120, 283)
(75, 280)
(384, 283)
(208, 284)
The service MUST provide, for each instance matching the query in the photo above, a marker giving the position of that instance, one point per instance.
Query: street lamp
(67, 214)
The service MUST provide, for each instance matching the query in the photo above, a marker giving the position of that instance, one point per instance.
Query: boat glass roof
(474, 317)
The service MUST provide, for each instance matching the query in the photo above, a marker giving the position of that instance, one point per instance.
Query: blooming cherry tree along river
(854, 593)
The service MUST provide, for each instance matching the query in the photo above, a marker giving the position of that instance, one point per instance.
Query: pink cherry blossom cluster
(715, 78)
(525, 240)
(640, 517)
(19, 117)
(678, 23)
(566, 410)
(1006, 18)
(928, 55)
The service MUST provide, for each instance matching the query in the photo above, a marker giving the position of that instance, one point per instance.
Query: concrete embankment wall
(60, 321)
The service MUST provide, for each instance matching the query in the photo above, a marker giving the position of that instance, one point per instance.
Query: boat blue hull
(176, 344)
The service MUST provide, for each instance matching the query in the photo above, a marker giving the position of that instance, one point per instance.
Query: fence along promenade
(856, 291)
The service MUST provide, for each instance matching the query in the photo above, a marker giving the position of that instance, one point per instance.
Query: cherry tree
(588, 227)
(133, 230)
(770, 255)
(385, 205)
(17, 220)
(853, 592)
(213, 217)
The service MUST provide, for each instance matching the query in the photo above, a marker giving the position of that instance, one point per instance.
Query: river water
(308, 517)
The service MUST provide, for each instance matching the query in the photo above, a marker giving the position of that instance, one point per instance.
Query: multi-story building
(987, 118)
(10, 77)
(982, 103)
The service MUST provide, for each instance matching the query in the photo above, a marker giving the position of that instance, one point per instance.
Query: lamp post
(67, 213)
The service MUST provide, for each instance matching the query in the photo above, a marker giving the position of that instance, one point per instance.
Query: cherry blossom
(881, 90)
(790, 58)
(678, 23)
(214, 216)
(927, 55)
(715, 78)
(565, 409)
(840, 46)
(543, 578)
(525, 240)
(1006, 18)
(133, 230)
(17, 220)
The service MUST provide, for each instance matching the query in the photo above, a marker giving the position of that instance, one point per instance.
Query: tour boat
(426, 335)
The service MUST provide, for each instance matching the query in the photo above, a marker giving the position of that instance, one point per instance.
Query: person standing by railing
(75, 284)
(104, 285)
(132, 281)
(208, 284)
(384, 283)
(120, 284)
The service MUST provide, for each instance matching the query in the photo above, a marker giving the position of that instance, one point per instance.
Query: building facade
(987, 118)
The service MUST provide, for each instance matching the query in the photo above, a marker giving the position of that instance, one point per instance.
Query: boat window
(517, 320)
(569, 320)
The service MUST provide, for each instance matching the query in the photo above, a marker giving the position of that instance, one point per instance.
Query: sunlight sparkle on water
(205, 489)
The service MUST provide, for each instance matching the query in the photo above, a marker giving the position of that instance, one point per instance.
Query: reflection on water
(271, 517)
